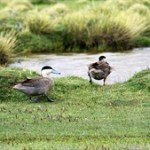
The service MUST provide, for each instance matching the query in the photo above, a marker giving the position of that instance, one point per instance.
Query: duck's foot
(36, 100)
(49, 99)
(90, 78)
(90, 81)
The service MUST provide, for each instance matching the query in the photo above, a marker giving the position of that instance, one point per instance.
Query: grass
(41, 23)
(83, 116)
(7, 44)
(77, 25)
(36, 46)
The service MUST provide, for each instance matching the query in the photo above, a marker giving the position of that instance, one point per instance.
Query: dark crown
(101, 58)
(46, 67)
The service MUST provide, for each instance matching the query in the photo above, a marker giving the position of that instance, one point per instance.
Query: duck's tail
(112, 68)
(17, 86)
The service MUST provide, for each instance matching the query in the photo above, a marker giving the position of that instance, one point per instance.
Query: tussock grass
(139, 8)
(88, 29)
(41, 23)
(20, 5)
(56, 11)
(82, 116)
(17, 4)
(75, 29)
(126, 4)
(7, 12)
(9, 19)
(99, 25)
(60, 8)
(131, 23)
(7, 44)
(14, 3)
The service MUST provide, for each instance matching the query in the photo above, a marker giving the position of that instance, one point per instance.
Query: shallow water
(124, 64)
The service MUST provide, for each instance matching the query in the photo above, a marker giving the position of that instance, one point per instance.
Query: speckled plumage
(99, 70)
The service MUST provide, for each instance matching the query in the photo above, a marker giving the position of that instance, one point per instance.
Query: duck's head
(102, 58)
(47, 70)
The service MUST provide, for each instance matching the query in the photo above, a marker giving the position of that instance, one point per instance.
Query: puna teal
(38, 86)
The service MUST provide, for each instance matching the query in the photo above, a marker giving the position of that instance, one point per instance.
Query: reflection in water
(124, 64)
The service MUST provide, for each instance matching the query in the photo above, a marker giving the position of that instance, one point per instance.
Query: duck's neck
(46, 76)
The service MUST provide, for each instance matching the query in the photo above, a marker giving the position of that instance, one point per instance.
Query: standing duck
(99, 70)
(38, 86)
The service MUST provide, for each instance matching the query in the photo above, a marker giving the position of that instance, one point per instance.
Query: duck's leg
(49, 99)
(90, 78)
(104, 81)
(35, 100)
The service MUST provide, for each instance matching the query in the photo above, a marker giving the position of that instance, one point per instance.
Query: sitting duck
(99, 70)
(38, 86)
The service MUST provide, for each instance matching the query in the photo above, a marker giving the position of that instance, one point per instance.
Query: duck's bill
(55, 72)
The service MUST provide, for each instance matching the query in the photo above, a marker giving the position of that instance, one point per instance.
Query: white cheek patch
(46, 72)
(104, 60)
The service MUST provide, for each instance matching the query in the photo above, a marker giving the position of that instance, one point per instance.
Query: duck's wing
(93, 65)
(100, 65)
(35, 82)
(104, 66)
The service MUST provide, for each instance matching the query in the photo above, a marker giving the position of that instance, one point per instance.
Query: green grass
(142, 41)
(83, 116)
(31, 43)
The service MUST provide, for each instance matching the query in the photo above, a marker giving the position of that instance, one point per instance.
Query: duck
(99, 70)
(39, 85)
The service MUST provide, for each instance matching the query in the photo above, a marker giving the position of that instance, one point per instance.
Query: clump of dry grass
(60, 8)
(124, 4)
(7, 44)
(18, 5)
(139, 8)
(5, 13)
(56, 11)
(41, 23)
(134, 23)
(102, 28)
(76, 28)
